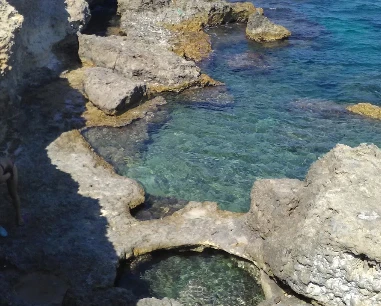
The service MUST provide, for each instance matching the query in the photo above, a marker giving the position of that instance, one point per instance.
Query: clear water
(193, 279)
(284, 104)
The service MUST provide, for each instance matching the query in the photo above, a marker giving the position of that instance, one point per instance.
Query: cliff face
(34, 36)
(322, 236)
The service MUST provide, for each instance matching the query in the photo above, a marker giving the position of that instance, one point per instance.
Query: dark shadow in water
(156, 207)
(104, 19)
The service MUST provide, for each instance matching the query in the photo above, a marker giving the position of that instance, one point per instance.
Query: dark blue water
(283, 107)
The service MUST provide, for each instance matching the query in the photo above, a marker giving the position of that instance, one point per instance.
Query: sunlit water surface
(283, 107)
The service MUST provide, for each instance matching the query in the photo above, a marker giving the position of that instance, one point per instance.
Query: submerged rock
(366, 109)
(321, 236)
(111, 92)
(261, 29)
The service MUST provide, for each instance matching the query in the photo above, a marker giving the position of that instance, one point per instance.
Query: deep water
(283, 107)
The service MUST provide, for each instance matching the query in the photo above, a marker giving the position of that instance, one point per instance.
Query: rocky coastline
(314, 241)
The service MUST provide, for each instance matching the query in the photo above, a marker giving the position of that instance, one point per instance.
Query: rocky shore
(314, 241)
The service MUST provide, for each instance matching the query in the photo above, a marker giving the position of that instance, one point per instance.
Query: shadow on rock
(63, 244)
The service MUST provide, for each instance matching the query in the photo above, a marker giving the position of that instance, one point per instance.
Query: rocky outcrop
(178, 25)
(10, 23)
(35, 37)
(366, 109)
(122, 193)
(111, 92)
(96, 117)
(321, 236)
(261, 29)
(155, 66)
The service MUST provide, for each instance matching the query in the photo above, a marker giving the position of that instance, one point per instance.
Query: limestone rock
(321, 236)
(111, 92)
(243, 10)
(96, 117)
(92, 173)
(141, 5)
(10, 22)
(261, 29)
(79, 14)
(30, 32)
(157, 302)
(366, 109)
(184, 19)
(153, 65)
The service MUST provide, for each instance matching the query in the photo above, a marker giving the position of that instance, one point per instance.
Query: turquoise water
(207, 279)
(283, 106)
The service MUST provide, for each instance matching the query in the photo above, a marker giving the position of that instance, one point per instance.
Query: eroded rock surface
(30, 32)
(321, 236)
(261, 29)
(198, 224)
(178, 25)
(111, 92)
(155, 66)
(121, 194)
(10, 23)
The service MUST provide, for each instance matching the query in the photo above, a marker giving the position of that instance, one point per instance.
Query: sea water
(282, 108)
(208, 278)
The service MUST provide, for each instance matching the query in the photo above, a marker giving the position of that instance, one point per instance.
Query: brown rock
(96, 117)
(366, 109)
(190, 41)
(242, 11)
(261, 29)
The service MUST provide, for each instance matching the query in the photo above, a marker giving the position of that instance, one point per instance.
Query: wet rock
(261, 29)
(136, 61)
(96, 117)
(366, 109)
(321, 236)
(157, 302)
(111, 92)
